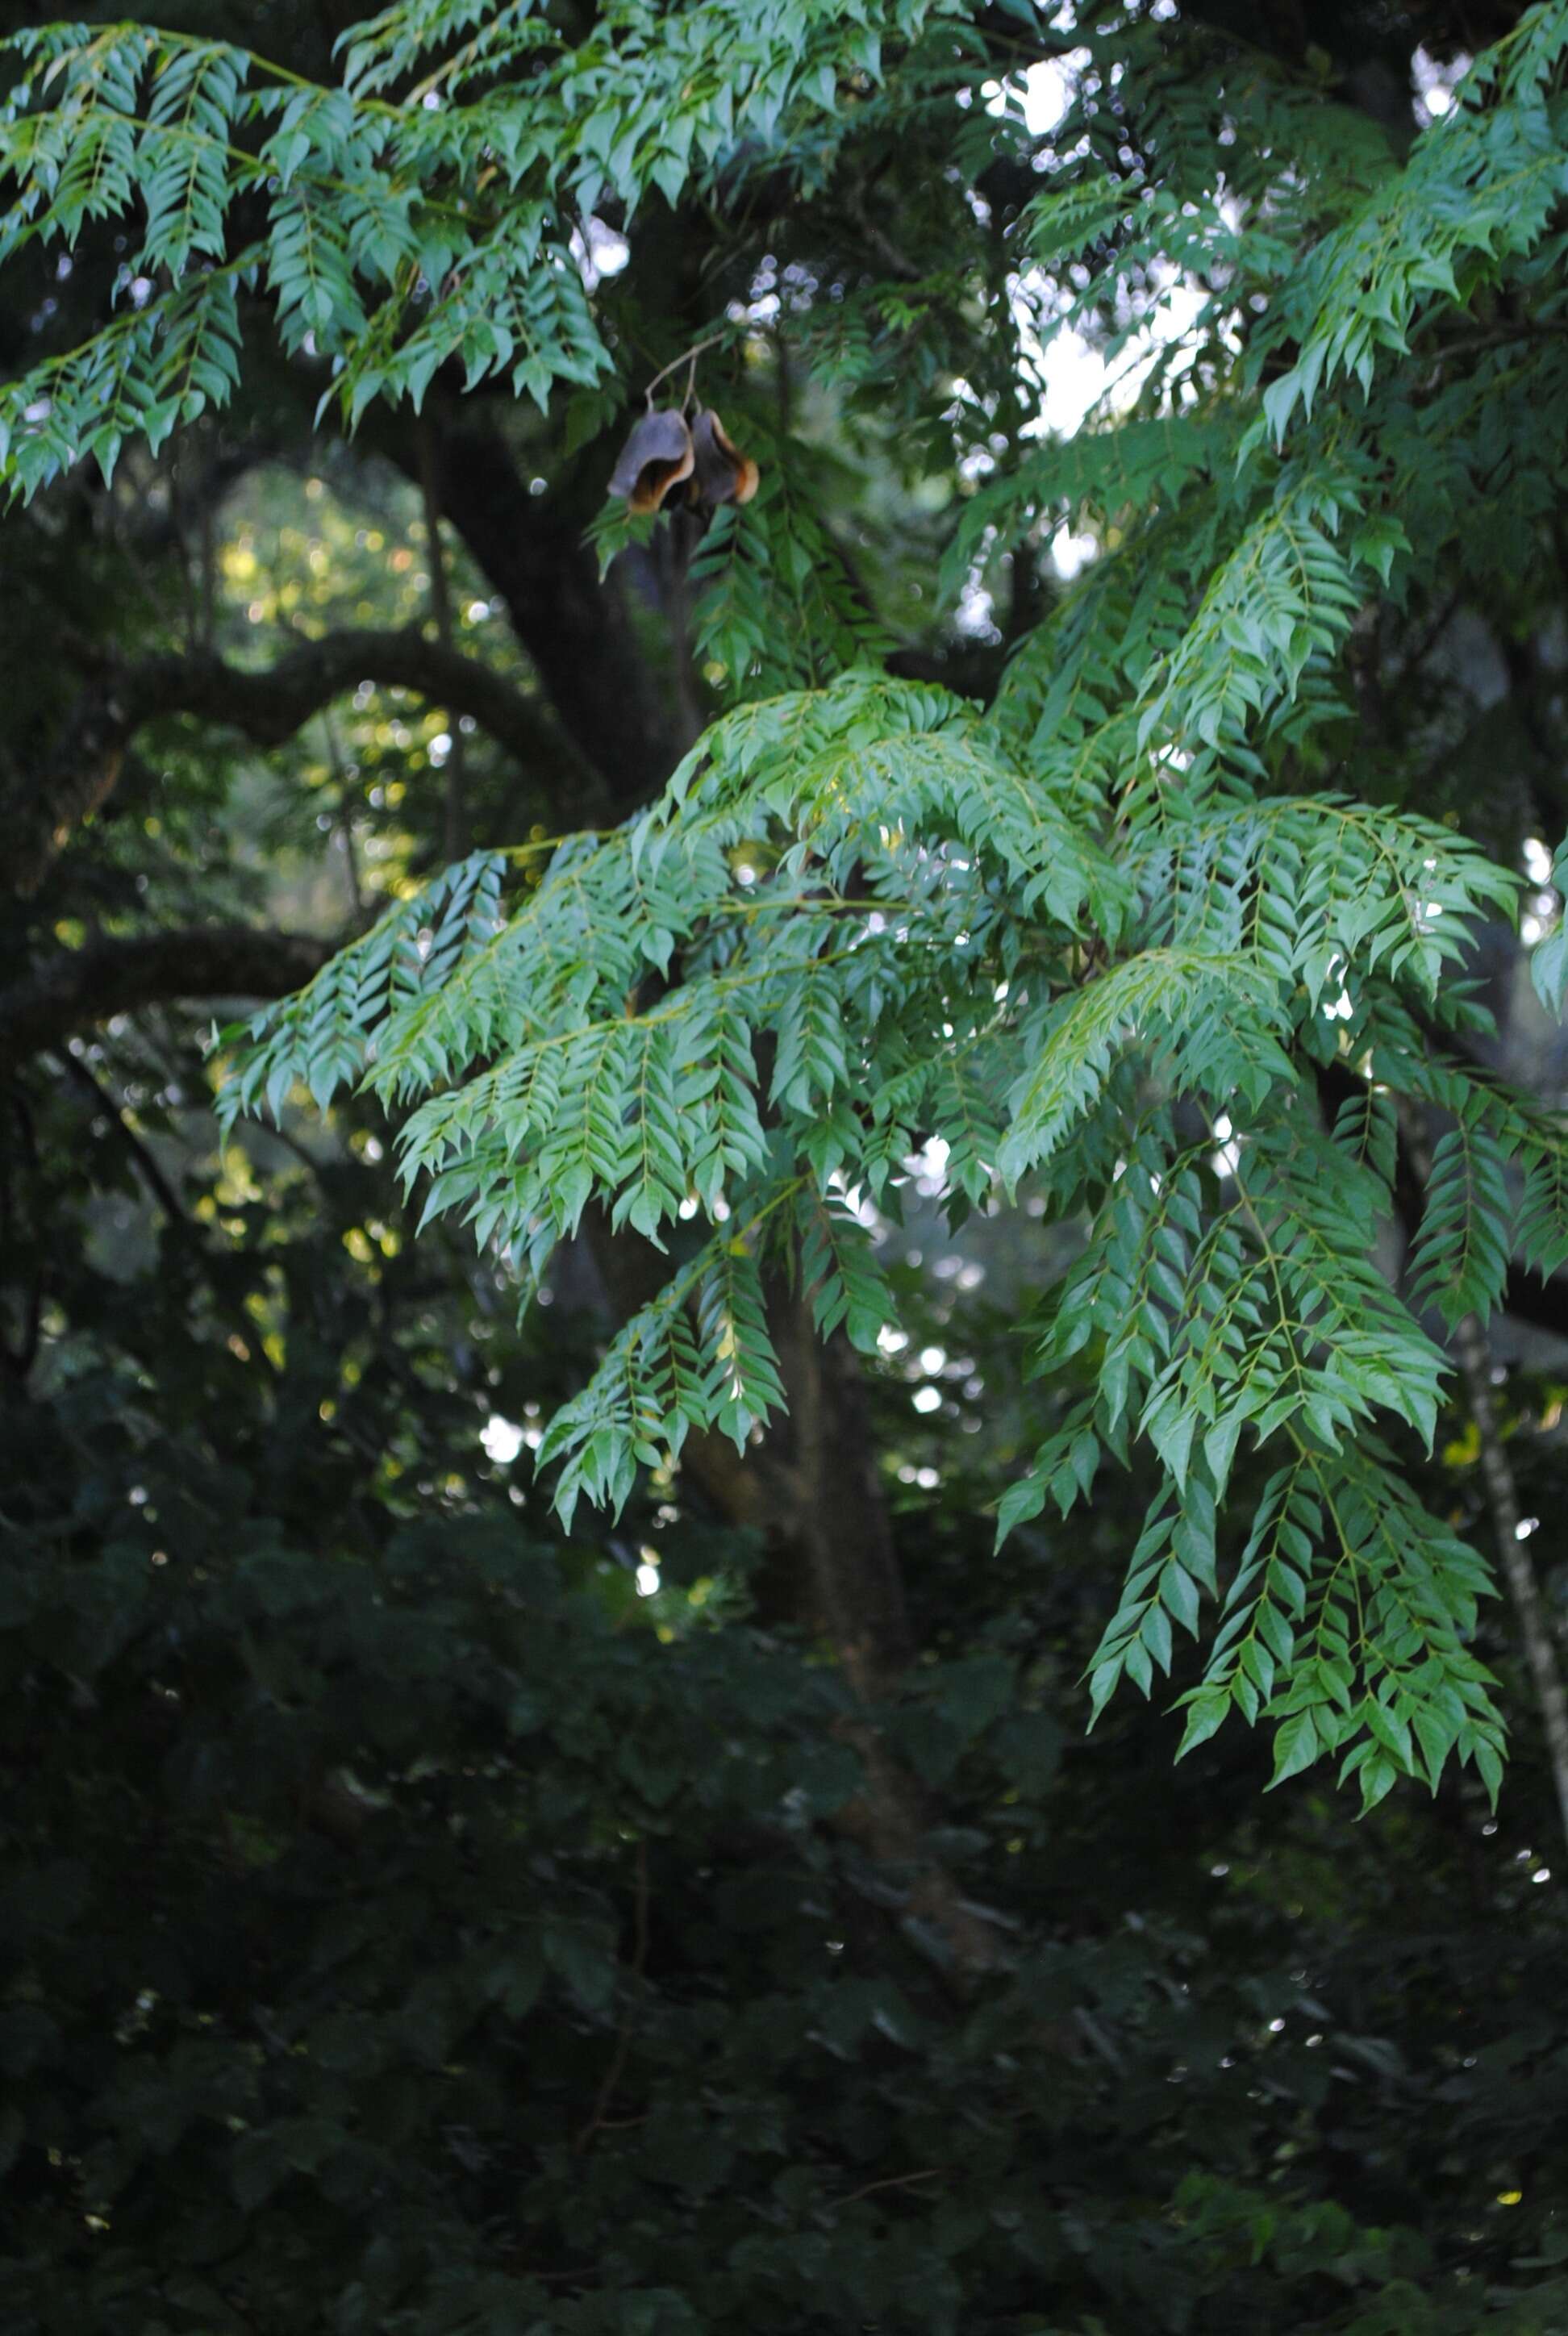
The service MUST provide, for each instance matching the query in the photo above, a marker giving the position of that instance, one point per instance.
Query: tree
(1072, 933)
(1151, 907)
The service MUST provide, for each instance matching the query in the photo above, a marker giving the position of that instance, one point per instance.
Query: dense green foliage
(997, 1072)
(1070, 934)
(328, 1834)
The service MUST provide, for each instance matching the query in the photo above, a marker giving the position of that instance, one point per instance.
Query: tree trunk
(812, 1490)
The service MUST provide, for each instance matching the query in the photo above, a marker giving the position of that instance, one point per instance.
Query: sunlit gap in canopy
(1070, 378)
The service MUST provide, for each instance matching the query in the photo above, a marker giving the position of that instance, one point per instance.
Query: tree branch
(579, 633)
(812, 1493)
(157, 1183)
(270, 705)
(80, 987)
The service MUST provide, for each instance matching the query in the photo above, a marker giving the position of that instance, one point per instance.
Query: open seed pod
(655, 457)
(721, 473)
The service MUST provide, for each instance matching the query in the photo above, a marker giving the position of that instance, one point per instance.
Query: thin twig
(184, 1227)
(456, 836)
(1502, 1498)
(612, 2075)
(1475, 1353)
(892, 2182)
(1447, 610)
(151, 1174)
(695, 351)
(898, 263)
(345, 816)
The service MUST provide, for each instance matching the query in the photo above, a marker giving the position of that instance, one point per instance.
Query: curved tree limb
(268, 707)
(78, 987)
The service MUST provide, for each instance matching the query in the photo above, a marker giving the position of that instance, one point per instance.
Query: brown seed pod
(655, 457)
(721, 472)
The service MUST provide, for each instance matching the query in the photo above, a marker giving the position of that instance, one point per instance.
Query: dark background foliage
(416, 1921)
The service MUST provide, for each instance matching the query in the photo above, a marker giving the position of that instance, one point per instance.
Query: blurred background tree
(422, 1919)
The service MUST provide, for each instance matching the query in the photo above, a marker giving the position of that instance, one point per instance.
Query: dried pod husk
(721, 472)
(655, 457)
